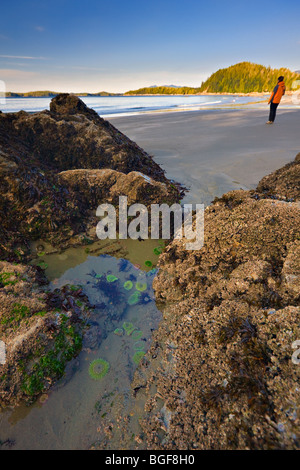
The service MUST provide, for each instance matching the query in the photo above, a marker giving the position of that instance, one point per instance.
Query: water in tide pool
(109, 106)
(73, 415)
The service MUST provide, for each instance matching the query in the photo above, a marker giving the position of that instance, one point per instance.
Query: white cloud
(22, 57)
(80, 68)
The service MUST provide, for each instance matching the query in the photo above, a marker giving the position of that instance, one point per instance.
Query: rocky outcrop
(108, 185)
(219, 374)
(72, 136)
(283, 183)
(49, 160)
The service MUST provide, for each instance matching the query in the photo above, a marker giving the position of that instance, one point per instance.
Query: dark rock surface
(72, 136)
(283, 183)
(37, 200)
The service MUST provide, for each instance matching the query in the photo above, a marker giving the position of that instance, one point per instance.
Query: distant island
(241, 78)
(52, 94)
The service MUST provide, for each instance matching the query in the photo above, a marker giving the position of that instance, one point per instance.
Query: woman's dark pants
(273, 109)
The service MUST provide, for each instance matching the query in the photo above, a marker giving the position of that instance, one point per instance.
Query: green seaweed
(141, 286)
(67, 344)
(158, 250)
(138, 356)
(18, 313)
(128, 285)
(74, 287)
(42, 313)
(42, 265)
(94, 365)
(5, 279)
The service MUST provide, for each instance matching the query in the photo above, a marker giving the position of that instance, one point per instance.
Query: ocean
(109, 106)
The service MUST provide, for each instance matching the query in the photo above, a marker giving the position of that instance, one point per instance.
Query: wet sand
(212, 152)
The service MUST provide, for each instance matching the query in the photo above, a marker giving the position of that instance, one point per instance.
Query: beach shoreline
(124, 106)
(212, 152)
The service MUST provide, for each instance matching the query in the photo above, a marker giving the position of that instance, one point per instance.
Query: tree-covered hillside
(164, 90)
(246, 77)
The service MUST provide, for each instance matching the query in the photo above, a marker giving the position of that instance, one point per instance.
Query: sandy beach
(212, 152)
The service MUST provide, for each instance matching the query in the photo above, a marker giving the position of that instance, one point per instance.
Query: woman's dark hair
(281, 78)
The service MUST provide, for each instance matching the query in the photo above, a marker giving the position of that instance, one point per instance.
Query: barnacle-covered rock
(57, 166)
(226, 377)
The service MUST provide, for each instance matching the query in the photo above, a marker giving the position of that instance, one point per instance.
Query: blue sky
(117, 45)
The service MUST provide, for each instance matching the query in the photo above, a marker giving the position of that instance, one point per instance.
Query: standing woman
(275, 98)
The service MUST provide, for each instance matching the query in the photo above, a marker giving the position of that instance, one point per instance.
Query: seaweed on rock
(138, 356)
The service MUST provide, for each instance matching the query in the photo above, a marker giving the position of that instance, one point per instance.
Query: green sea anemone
(42, 265)
(134, 298)
(148, 263)
(94, 367)
(128, 327)
(111, 278)
(128, 285)
(152, 272)
(119, 332)
(136, 335)
(141, 286)
(138, 356)
(158, 250)
(139, 346)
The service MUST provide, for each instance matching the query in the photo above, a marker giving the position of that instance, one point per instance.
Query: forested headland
(244, 77)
